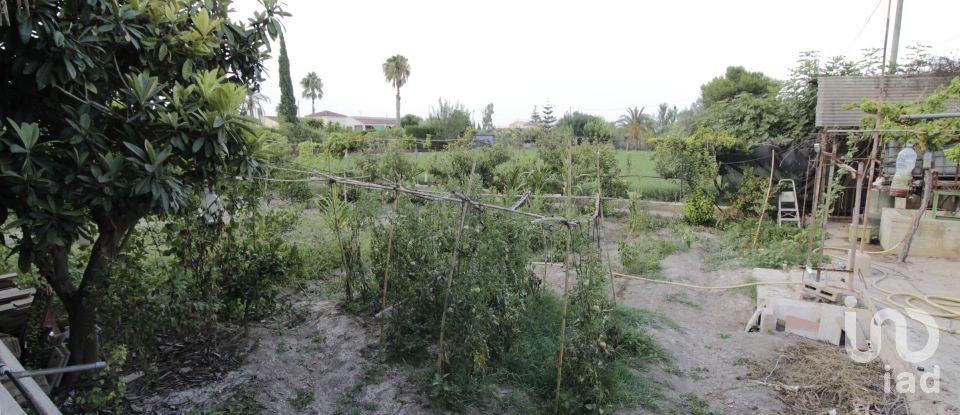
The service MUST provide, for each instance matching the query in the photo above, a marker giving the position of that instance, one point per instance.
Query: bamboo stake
(763, 209)
(453, 268)
(600, 237)
(568, 262)
(347, 271)
(386, 267)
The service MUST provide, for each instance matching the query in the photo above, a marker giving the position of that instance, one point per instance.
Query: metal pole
(895, 44)
(876, 134)
(818, 179)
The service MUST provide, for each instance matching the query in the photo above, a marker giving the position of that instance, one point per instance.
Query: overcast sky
(595, 56)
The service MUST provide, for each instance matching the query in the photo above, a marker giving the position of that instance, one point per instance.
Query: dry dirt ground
(316, 359)
(703, 330)
(311, 359)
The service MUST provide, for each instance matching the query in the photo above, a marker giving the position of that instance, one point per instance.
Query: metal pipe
(59, 370)
(20, 387)
(932, 116)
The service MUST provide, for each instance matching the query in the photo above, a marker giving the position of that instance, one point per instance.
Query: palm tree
(636, 122)
(397, 70)
(312, 89)
(254, 105)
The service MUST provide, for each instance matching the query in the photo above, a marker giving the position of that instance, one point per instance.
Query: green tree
(104, 127)
(737, 80)
(547, 119)
(254, 105)
(487, 117)
(397, 71)
(450, 121)
(636, 123)
(666, 117)
(287, 110)
(535, 118)
(312, 87)
(576, 121)
(410, 120)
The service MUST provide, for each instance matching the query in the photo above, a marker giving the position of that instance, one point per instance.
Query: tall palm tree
(636, 123)
(397, 70)
(254, 105)
(312, 89)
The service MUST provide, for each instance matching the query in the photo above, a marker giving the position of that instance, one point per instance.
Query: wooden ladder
(788, 210)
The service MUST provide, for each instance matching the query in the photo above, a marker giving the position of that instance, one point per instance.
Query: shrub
(339, 144)
(299, 132)
(644, 255)
(698, 208)
(748, 200)
(420, 131)
(316, 124)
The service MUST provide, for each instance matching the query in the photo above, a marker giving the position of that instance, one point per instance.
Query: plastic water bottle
(903, 178)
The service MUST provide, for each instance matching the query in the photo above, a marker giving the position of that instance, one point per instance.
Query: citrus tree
(113, 111)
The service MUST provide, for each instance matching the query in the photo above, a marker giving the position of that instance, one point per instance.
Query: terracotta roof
(325, 114)
(376, 120)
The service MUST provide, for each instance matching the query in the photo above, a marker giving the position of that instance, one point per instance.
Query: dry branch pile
(813, 378)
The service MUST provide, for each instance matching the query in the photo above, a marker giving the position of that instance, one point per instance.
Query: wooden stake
(924, 201)
(613, 289)
(387, 264)
(568, 263)
(347, 270)
(766, 199)
(453, 268)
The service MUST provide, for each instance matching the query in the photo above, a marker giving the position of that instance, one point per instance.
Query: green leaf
(197, 144)
(71, 70)
(163, 51)
(187, 70)
(218, 122)
(90, 87)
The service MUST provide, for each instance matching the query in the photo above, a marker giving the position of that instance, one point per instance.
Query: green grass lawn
(636, 166)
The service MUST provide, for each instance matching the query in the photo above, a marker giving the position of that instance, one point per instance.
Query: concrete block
(938, 238)
(801, 318)
(768, 322)
(831, 323)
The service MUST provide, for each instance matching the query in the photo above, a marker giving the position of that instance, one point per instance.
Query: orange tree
(111, 111)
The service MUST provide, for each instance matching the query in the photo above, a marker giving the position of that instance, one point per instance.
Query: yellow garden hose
(912, 301)
(706, 287)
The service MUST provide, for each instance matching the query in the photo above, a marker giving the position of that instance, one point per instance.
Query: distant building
(520, 124)
(356, 123)
(485, 139)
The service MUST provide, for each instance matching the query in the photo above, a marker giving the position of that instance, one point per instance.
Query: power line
(864, 27)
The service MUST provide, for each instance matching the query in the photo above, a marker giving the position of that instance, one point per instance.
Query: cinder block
(768, 322)
(831, 323)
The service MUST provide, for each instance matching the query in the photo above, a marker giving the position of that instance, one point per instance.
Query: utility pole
(895, 46)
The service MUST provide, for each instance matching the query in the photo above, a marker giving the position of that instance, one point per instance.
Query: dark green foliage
(339, 144)
(553, 152)
(114, 111)
(450, 121)
(737, 81)
(577, 121)
(644, 255)
(501, 328)
(410, 120)
(748, 201)
(547, 119)
(698, 208)
(314, 123)
(780, 247)
(488, 158)
(390, 165)
(287, 110)
(299, 132)
(420, 131)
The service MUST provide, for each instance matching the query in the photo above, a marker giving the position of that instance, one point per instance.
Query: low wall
(939, 238)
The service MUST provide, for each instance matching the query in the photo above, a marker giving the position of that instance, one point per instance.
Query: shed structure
(836, 92)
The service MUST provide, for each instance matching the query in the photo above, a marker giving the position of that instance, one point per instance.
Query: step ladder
(788, 210)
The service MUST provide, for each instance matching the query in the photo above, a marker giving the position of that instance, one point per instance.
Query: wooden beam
(43, 403)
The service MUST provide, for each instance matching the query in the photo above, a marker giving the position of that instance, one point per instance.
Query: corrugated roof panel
(833, 93)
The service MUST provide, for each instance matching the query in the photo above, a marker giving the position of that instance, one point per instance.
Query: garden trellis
(468, 202)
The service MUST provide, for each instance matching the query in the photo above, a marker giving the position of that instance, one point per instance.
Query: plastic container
(903, 178)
